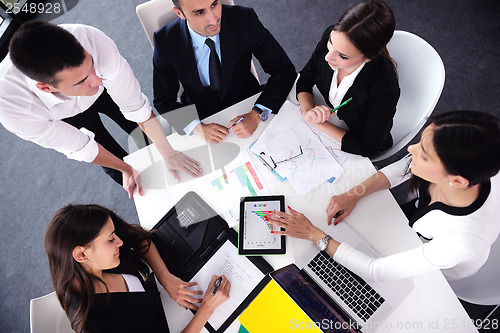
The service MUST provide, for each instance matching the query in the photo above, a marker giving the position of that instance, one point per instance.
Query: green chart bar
(244, 181)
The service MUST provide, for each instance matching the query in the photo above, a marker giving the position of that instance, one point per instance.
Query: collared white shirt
(37, 116)
(337, 93)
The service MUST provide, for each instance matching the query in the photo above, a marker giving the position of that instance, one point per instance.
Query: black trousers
(90, 120)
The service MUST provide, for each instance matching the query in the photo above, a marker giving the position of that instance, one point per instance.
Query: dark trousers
(90, 120)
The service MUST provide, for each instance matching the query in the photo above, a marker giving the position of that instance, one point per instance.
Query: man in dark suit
(183, 53)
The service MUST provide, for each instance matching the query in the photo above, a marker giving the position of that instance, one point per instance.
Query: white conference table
(430, 307)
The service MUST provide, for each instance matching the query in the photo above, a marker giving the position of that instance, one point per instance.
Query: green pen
(341, 105)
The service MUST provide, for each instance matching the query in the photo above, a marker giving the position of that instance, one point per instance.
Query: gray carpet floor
(36, 181)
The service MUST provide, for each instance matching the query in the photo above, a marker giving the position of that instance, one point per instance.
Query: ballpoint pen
(236, 123)
(341, 105)
(217, 285)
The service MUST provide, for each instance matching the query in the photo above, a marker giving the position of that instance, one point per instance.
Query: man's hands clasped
(243, 126)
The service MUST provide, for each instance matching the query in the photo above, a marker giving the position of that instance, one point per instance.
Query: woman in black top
(351, 61)
(99, 271)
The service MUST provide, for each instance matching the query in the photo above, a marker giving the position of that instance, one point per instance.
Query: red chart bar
(254, 175)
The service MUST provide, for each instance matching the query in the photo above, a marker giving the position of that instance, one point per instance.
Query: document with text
(241, 272)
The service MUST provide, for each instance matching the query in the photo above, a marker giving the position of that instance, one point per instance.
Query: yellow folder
(274, 311)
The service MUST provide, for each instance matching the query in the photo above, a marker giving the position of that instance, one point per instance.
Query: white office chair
(483, 287)
(47, 315)
(154, 14)
(421, 79)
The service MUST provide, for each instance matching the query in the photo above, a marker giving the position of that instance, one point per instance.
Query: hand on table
(211, 302)
(177, 161)
(340, 206)
(295, 225)
(212, 133)
(247, 126)
(129, 183)
(179, 292)
(318, 114)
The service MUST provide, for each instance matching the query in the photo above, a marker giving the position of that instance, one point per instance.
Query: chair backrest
(421, 79)
(483, 287)
(47, 315)
(154, 14)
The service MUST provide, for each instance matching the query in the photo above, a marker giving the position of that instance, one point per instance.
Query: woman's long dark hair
(468, 145)
(369, 25)
(79, 225)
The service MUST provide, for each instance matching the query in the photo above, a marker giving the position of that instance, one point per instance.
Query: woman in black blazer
(351, 61)
(98, 268)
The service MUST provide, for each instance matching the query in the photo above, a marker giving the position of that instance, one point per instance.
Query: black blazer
(128, 311)
(375, 93)
(241, 35)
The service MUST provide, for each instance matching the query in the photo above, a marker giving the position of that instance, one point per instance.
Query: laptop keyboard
(352, 290)
(320, 310)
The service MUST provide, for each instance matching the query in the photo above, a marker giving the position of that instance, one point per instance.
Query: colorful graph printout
(257, 231)
(245, 173)
(218, 182)
(227, 185)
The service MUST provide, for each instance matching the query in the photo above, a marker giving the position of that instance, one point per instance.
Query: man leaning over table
(56, 79)
(183, 53)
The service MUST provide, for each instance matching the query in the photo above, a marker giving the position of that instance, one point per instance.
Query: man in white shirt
(56, 79)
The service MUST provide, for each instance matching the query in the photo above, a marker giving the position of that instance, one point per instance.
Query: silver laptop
(369, 304)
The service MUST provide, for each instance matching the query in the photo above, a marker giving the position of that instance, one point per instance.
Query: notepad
(239, 270)
(274, 311)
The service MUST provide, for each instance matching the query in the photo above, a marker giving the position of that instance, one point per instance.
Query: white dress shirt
(337, 93)
(460, 239)
(36, 116)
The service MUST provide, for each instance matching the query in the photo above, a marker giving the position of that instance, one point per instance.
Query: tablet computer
(255, 237)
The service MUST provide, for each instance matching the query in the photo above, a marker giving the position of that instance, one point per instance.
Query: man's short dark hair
(41, 50)
(177, 4)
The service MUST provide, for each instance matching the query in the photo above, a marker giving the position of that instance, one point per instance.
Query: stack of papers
(298, 153)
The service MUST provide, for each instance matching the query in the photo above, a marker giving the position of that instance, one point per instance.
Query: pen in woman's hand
(217, 285)
(341, 105)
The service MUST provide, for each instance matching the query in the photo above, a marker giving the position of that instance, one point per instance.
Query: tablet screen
(255, 228)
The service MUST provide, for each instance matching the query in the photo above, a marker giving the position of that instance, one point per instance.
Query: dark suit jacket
(128, 311)
(375, 93)
(241, 35)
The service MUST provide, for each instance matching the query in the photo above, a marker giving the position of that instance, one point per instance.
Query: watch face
(323, 243)
(264, 115)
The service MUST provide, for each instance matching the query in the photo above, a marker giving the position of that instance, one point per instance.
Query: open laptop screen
(323, 311)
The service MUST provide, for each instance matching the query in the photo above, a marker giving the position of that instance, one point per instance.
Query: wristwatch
(264, 114)
(323, 242)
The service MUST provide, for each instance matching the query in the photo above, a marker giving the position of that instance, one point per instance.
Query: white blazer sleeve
(396, 172)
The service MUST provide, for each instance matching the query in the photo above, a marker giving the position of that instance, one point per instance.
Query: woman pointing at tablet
(99, 271)
(454, 171)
